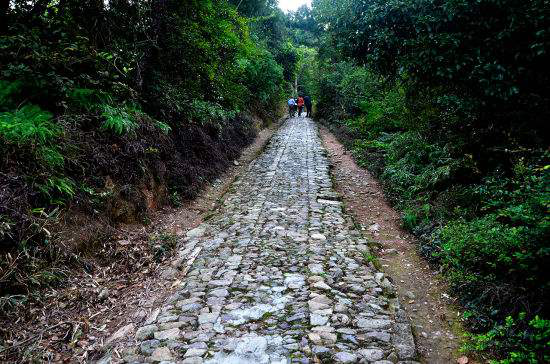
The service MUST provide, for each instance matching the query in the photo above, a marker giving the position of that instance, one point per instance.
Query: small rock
(322, 285)
(314, 337)
(322, 299)
(145, 332)
(374, 228)
(161, 354)
(463, 360)
(321, 351)
(205, 318)
(345, 357)
(122, 332)
(367, 323)
(171, 334)
(296, 317)
(392, 357)
(352, 339)
(317, 320)
(192, 360)
(316, 306)
(328, 337)
(340, 308)
(386, 284)
(153, 317)
(194, 352)
(372, 354)
(315, 268)
(103, 294)
(148, 346)
(318, 237)
(314, 279)
(380, 336)
(294, 281)
(196, 232)
(220, 292)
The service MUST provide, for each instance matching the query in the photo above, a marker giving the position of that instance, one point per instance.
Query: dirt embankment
(71, 322)
(435, 318)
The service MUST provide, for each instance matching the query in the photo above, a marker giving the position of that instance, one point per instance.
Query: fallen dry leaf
(462, 360)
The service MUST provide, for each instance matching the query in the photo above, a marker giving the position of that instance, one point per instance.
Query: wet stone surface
(279, 275)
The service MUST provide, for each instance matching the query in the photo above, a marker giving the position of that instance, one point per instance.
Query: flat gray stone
(345, 357)
(196, 232)
(367, 323)
(205, 318)
(171, 334)
(195, 352)
(371, 354)
(148, 346)
(318, 237)
(161, 354)
(318, 320)
(120, 333)
(145, 332)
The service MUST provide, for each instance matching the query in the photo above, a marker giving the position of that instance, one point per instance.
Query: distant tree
(253, 8)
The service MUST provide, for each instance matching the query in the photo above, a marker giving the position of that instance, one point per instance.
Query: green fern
(51, 157)
(84, 98)
(28, 126)
(120, 120)
(53, 186)
(165, 128)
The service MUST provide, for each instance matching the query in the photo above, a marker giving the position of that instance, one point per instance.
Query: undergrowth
(110, 119)
(486, 225)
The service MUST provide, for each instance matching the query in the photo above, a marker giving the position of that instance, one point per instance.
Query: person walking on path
(300, 105)
(307, 102)
(291, 107)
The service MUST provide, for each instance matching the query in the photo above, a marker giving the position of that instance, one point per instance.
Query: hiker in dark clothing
(307, 102)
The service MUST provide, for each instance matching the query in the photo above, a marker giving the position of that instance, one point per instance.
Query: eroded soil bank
(434, 316)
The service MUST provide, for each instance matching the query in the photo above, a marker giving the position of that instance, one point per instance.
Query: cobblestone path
(280, 275)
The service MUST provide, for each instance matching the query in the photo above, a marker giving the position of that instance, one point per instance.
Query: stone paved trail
(280, 275)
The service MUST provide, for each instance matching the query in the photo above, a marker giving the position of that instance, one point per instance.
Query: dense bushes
(489, 231)
(447, 106)
(102, 103)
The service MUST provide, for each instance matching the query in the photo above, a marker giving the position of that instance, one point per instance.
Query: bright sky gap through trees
(291, 5)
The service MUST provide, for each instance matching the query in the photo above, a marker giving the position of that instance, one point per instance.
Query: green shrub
(498, 260)
(84, 98)
(410, 219)
(8, 89)
(209, 113)
(483, 246)
(523, 341)
(447, 102)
